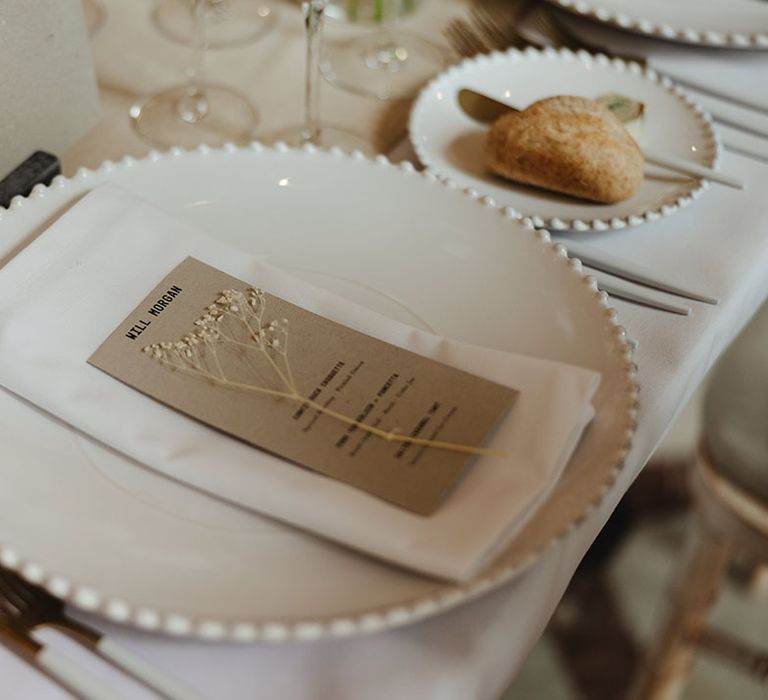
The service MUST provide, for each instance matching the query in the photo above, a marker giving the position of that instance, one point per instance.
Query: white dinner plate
(452, 144)
(733, 24)
(108, 535)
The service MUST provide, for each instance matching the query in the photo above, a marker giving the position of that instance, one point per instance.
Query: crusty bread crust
(567, 144)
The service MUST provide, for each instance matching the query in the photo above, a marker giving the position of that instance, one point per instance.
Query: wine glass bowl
(187, 118)
(229, 22)
(95, 16)
(195, 112)
(386, 63)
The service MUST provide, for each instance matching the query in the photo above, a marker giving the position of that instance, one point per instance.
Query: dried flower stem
(197, 354)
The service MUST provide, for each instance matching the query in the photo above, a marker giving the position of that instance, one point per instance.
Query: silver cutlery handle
(73, 677)
(744, 143)
(644, 298)
(160, 682)
(690, 168)
(629, 270)
(737, 115)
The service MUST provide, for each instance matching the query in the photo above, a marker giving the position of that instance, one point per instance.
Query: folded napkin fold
(69, 289)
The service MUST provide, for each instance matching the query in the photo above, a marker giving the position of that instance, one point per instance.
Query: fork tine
(7, 611)
(454, 39)
(471, 36)
(463, 39)
(486, 27)
(10, 592)
(32, 603)
(9, 601)
(544, 23)
(500, 32)
(22, 591)
(475, 43)
(490, 28)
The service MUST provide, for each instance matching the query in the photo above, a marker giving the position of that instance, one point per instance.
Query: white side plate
(732, 24)
(452, 144)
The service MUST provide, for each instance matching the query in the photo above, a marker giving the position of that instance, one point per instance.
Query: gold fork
(68, 675)
(546, 22)
(490, 27)
(497, 27)
(25, 607)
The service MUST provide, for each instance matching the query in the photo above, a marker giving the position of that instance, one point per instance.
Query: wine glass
(385, 64)
(312, 131)
(230, 22)
(195, 112)
(95, 15)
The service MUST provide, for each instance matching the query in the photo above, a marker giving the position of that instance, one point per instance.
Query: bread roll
(567, 144)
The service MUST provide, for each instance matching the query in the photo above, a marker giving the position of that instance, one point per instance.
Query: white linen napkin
(67, 291)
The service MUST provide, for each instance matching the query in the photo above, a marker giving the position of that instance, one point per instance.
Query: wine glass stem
(194, 105)
(314, 10)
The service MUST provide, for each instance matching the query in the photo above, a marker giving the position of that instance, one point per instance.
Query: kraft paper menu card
(393, 423)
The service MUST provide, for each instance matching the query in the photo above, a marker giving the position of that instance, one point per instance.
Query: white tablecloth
(721, 242)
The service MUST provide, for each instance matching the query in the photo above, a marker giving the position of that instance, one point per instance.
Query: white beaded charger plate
(115, 538)
(732, 24)
(452, 144)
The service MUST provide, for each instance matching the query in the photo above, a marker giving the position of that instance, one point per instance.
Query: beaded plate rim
(87, 598)
(642, 25)
(713, 139)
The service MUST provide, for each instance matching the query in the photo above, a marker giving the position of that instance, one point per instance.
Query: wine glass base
(162, 121)
(387, 66)
(229, 22)
(328, 137)
(95, 15)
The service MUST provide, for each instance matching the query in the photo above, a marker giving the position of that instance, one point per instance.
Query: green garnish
(625, 108)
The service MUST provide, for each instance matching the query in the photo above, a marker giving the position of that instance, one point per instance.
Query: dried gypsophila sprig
(237, 320)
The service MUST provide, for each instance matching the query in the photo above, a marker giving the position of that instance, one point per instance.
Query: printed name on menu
(155, 310)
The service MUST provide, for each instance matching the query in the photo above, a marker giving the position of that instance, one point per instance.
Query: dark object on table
(39, 168)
